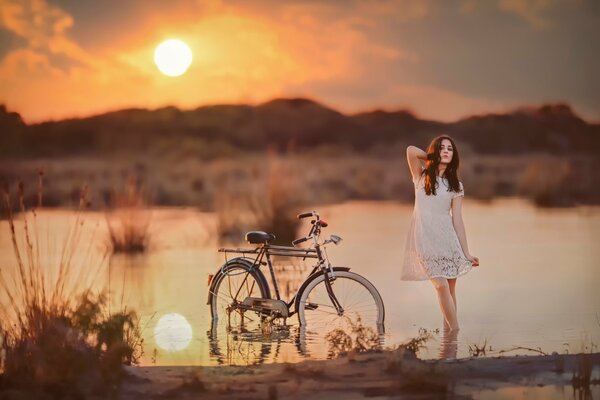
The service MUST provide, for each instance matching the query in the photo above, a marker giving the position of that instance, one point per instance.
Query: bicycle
(327, 296)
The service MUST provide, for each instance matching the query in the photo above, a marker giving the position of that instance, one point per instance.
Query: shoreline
(381, 374)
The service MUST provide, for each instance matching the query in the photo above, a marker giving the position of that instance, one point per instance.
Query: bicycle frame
(265, 251)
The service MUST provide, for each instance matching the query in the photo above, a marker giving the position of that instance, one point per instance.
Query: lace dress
(432, 246)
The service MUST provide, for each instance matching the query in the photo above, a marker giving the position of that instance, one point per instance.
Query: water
(536, 393)
(536, 287)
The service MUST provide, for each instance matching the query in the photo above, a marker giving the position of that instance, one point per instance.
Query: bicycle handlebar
(301, 240)
(307, 214)
(317, 224)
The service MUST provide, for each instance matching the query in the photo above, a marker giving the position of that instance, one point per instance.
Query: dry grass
(233, 216)
(322, 178)
(519, 348)
(478, 350)
(270, 204)
(128, 220)
(582, 376)
(57, 338)
(415, 344)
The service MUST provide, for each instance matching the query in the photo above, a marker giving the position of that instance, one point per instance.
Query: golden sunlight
(173, 57)
(173, 332)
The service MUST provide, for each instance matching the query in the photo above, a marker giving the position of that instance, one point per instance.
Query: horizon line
(387, 109)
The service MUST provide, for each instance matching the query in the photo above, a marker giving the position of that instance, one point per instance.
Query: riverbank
(389, 374)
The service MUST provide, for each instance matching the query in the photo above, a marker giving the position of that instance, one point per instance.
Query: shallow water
(550, 392)
(536, 287)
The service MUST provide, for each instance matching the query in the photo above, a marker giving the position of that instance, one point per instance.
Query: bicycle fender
(247, 261)
(309, 280)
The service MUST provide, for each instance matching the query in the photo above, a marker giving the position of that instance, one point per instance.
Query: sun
(173, 57)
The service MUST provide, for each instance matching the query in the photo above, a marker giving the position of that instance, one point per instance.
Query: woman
(436, 247)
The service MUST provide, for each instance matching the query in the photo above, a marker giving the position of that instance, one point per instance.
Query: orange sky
(444, 60)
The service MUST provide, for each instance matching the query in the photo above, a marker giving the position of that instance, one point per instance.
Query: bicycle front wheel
(360, 300)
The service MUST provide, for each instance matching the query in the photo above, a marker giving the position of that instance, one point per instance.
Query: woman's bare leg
(446, 302)
(452, 286)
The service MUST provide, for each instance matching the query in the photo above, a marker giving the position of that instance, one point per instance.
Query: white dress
(432, 247)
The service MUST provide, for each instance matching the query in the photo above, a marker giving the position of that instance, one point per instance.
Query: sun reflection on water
(173, 332)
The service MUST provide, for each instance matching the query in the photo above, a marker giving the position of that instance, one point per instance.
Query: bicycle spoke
(358, 301)
(236, 285)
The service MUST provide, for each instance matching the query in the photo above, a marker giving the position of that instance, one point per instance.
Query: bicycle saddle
(257, 237)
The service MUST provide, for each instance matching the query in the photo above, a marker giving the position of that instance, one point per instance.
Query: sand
(388, 374)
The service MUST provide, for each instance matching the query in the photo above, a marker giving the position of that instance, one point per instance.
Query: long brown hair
(431, 166)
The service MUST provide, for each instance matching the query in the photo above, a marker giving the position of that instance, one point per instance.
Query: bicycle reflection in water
(243, 347)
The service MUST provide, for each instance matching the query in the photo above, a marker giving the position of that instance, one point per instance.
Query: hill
(299, 123)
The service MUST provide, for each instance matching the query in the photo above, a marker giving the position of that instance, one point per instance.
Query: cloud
(328, 41)
(44, 28)
(402, 10)
(530, 10)
(25, 60)
(34, 20)
(467, 6)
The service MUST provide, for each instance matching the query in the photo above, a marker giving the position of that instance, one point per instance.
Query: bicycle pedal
(311, 306)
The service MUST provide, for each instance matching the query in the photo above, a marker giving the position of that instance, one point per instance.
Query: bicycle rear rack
(274, 250)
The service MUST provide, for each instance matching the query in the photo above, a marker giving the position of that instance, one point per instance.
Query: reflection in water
(358, 338)
(449, 344)
(549, 392)
(242, 346)
(173, 332)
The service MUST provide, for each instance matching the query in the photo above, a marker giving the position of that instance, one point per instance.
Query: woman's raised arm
(414, 155)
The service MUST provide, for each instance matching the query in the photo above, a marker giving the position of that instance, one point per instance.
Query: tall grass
(326, 177)
(270, 204)
(128, 220)
(275, 205)
(56, 337)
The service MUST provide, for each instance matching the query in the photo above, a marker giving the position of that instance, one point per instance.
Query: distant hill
(300, 123)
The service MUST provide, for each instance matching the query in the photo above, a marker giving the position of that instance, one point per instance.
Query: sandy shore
(390, 374)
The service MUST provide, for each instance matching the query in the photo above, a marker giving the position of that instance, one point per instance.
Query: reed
(415, 344)
(277, 203)
(232, 216)
(270, 203)
(478, 350)
(582, 376)
(128, 220)
(56, 337)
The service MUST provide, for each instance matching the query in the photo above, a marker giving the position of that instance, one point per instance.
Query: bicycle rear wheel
(358, 297)
(232, 285)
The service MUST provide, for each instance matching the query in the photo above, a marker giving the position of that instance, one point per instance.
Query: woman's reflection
(449, 344)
